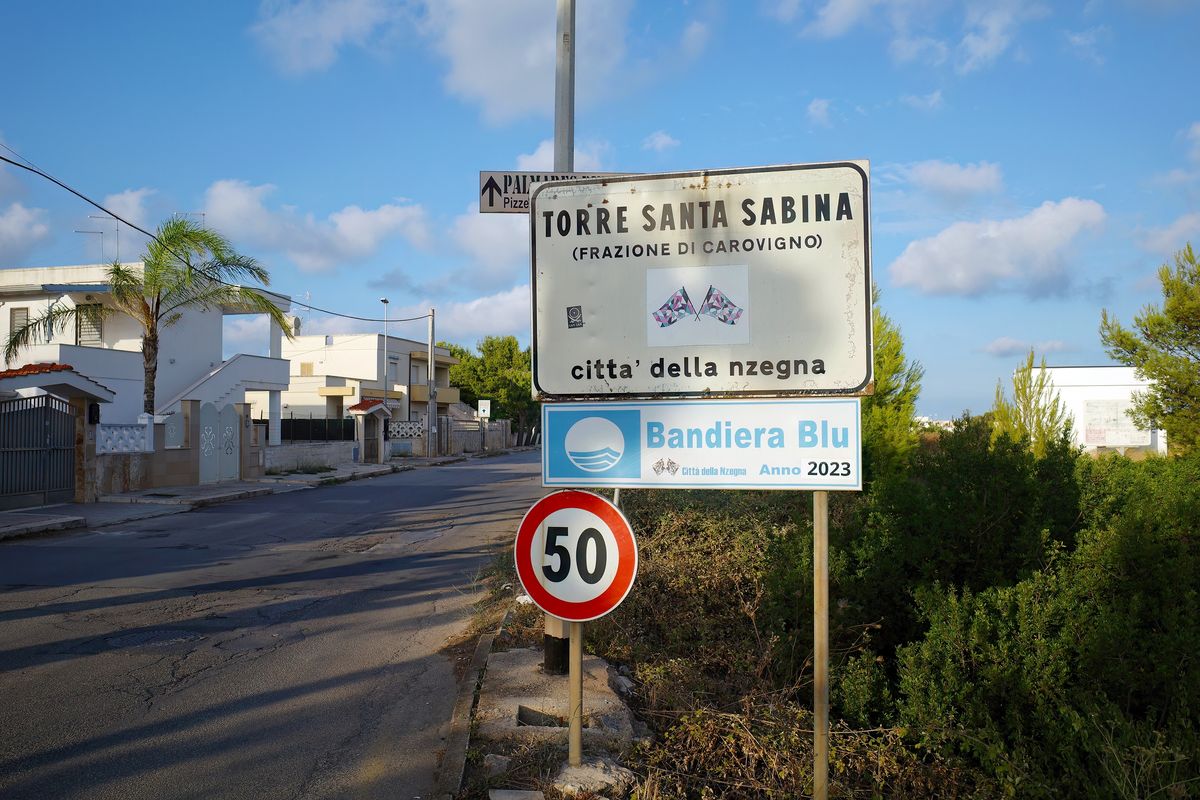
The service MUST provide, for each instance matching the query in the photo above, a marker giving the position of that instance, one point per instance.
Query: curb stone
(454, 762)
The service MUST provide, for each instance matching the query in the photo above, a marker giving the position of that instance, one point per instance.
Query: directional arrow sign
(508, 192)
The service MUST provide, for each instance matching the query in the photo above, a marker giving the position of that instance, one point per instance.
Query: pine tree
(1164, 348)
(1035, 413)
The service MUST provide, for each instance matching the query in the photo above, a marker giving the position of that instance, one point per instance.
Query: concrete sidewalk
(114, 509)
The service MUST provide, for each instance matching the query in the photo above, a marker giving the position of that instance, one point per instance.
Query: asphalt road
(280, 647)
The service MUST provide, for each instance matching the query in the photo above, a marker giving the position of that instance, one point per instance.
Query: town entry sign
(721, 283)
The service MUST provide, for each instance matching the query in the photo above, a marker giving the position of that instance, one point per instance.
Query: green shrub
(1082, 680)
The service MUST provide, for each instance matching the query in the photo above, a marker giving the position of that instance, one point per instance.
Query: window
(89, 326)
(18, 318)
(306, 369)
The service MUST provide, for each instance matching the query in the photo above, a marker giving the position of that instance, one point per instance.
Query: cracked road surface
(285, 646)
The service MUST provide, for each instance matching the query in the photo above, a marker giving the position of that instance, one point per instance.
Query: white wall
(187, 350)
(118, 370)
(1097, 399)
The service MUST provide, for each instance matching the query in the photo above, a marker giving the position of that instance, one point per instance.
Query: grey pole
(575, 698)
(557, 632)
(820, 645)
(432, 409)
(384, 300)
(564, 89)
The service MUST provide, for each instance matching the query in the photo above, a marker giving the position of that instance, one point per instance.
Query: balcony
(419, 393)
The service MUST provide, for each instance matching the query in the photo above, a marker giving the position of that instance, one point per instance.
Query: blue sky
(1032, 162)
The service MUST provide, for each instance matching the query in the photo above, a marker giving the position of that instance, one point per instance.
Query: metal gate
(37, 451)
(220, 443)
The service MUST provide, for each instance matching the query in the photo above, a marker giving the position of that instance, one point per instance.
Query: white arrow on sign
(508, 192)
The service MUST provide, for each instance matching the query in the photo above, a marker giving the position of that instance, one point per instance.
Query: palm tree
(185, 266)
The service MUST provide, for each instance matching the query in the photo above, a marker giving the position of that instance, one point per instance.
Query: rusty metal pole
(820, 645)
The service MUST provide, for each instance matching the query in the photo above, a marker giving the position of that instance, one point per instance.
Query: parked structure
(1098, 399)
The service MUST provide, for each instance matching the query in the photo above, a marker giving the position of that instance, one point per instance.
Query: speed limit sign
(576, 555)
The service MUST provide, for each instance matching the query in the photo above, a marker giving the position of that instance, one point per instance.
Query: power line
(28, 166)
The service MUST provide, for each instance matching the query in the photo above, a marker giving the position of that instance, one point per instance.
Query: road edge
(458, 739)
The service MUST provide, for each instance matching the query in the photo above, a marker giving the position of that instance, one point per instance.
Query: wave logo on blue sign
(594, 444)
(597, 444)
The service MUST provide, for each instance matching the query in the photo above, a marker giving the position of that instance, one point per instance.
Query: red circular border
(627, 554)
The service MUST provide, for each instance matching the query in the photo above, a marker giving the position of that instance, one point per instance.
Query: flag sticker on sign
(674, 319)
(678, 306)
(720, 307)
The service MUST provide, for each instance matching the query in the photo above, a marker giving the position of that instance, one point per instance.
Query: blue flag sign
(745, 444)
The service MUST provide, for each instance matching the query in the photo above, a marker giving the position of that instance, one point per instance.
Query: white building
(1098, 399)
(190, 363)
(329, 374)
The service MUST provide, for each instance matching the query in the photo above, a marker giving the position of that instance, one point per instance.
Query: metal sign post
(575, 720)
(554, 639)
(820, 645)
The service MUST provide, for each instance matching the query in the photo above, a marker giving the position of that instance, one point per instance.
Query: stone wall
(303, 454)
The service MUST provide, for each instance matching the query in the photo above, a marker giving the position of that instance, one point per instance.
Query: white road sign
(508, 192)
(485, 409)
(752, 283)
(811, 443)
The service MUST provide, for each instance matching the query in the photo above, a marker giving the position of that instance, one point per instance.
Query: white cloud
(695, 39)
(307, 35)
(1086, 44)
(21, 229)
(465, 322)
(1028, 254)
(246, 333)
(587, 157)
(837, 17)
(1166, 240)
(496, 241)
(1176, 177)
(521, 82)
(1193, 137)
(659, 141)
(818, 112)
(1007, 346)
(991, 27)
(955, 183)
(238, 210)
(924, 102)
(130, 205)
(783, 10)
(904, 48)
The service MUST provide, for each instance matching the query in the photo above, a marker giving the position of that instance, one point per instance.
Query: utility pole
(432, 415)
(383, 420)
(556, 638)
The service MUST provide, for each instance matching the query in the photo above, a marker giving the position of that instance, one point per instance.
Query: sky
(1032, 163)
